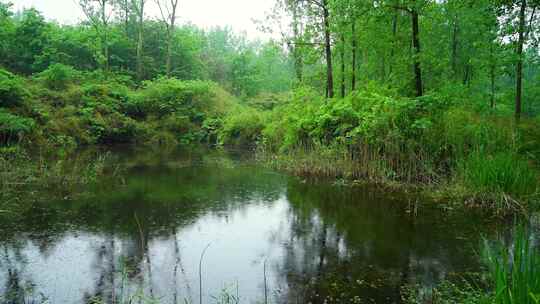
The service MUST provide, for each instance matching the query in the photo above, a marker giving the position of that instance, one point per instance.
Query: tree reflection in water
(143, 240)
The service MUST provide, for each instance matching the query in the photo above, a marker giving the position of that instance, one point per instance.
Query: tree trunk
(328, 50)
(126, 20)
(354, 47)
(169, 53)
(416, 46)
(394, 36)
(105, 35)
(468, 75)
(170, 36)
(519, 66)
(298, 62)
(492, 76)
(140, 41)
(454, 48)
(342, 57)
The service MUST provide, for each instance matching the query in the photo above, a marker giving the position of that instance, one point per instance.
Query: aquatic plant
(514, 270)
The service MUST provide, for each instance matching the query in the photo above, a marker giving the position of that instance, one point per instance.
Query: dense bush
(439, 137)
(242, 127)
(59, 76)
(364, 117)
(13, 127)
(462, 131)
(12, 91)
(105, 110)
(165, 96)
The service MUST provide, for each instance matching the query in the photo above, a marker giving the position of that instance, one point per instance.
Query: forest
(435, 99)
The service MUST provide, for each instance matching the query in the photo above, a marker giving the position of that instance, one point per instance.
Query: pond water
(265, 234)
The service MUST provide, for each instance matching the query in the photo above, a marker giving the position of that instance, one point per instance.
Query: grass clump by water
(25, 178)
(512, 277)
(503, 177)
(515, 272)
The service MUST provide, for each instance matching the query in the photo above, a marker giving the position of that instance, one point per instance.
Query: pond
(178, 223)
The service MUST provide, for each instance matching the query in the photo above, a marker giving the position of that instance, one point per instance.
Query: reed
(514, 270)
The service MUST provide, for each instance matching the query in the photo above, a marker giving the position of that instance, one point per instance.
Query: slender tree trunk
(492, 76)
(139, 54)
(170, 36)
(299, 64)
(353, 51)
(394, 38)
(105, 35)
(454, 48)
(519, 66)
(140, 41)
(416, 54)
(126, 17)
(298, 61)
(168, 64)
(383, 66)
(328, 50)
(107, 54)
(342, 57)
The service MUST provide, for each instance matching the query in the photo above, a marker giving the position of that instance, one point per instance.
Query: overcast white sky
(205, 13)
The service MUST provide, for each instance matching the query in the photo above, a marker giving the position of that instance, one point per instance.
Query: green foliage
(13, 127)
(448, 293)
(12, 91)
(287, 124)
(31, 45)
(58, 76)
(165, 96)
(372, 116)
(529, 133)
(513, 276)
(503, 172)
(104, 110)
(242, 127)
(514, 270)
(465, 131)
(374, 135)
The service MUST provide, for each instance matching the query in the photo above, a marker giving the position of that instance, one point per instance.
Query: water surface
(142, 238)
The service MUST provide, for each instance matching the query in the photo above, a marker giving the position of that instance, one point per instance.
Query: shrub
(13, 127)
(267, 101)
(211, 128)
(168, 95)
(112, 95)
(463, 131)
(12, 91)
(289, 124)
(242, 128)
(59, 76)
(110, 128)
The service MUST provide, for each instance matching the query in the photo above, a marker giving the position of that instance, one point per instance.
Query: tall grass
(515, 271)
(24, 178)
(365, 162)
(504, 179)
(502, 172)
(513, 277)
